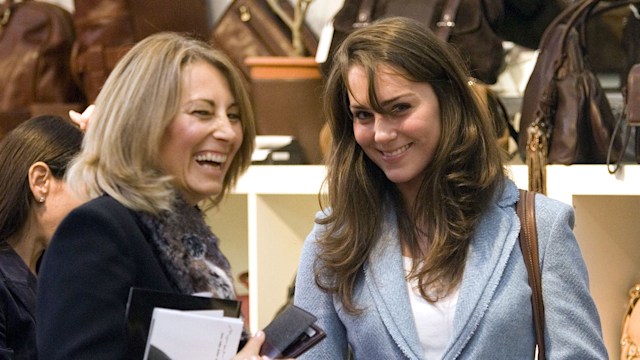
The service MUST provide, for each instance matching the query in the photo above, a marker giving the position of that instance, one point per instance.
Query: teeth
(396, 151)
(218, 158)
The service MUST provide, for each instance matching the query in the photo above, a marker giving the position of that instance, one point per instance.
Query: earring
(41, 199)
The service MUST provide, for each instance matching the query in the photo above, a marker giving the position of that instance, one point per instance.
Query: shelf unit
(264, 222)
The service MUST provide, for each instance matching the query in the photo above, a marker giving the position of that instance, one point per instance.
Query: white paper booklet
(193, 335)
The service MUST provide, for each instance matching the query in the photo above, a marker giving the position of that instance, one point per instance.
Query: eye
(361, 116)
(233, 116)
(400, 108)
(202, 113)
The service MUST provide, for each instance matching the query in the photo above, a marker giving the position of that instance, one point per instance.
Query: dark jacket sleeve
(84, 283)
(17, 308)
(6, 353)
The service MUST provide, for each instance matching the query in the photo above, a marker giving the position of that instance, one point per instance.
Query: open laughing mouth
(211, 159)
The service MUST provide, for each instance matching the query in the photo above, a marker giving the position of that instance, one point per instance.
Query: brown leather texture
(107, 29)
(565, 96)
(250, 28)
(36, 39)
(633, 96)
(291, 107)
(633, 105)
(472, 33)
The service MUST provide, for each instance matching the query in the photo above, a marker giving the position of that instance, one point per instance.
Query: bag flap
(468, 19)
(633, 96)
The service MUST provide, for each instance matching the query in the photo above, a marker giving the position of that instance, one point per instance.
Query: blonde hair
(137, 103)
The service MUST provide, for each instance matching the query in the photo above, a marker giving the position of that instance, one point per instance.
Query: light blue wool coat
(493, 316)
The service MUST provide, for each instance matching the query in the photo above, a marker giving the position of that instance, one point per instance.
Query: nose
(384, 129)
(223, 129)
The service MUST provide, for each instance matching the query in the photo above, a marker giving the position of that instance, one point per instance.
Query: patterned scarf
(188, 251)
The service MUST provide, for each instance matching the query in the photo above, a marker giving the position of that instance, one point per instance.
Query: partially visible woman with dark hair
(33, 161)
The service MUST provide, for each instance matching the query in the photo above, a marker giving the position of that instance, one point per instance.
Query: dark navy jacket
(17, 308)
(98, 252)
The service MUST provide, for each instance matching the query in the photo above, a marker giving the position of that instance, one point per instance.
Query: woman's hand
(251, 349)
(82, 119)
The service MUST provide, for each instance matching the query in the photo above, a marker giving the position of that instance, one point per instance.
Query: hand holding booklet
(192, 334)
(141, 305)
(164, 326)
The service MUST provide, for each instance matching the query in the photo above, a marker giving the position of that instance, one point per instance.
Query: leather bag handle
(448, 19)
(365, 13)
(445, 25)
(577, 14)
(528, 238)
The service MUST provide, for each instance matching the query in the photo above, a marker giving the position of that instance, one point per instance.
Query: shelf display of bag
(467, 24)
(36, 39)
(284, 81)
(249, 28)
(566, 116)
(630, 115)
(107, 29)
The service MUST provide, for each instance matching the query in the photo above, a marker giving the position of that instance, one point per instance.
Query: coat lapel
(384, 277)
(492, 244)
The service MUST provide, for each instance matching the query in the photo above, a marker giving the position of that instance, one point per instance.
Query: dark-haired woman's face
(403, 141)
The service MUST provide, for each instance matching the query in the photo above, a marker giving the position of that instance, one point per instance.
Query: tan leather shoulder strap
(529, 246)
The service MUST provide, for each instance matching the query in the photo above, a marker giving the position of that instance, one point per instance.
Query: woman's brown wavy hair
(460, 181)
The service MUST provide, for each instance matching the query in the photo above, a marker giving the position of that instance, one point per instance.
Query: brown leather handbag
(107, 29)
(631, 113)
(466, 24)
(250, 28)
(36, 39)
(566, 117)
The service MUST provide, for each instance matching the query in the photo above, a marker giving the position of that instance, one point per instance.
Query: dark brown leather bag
(107, 29)
(630, 115)
(250, 28)
(633, 104)
(466, 24)
(566, 117)
(36, 39)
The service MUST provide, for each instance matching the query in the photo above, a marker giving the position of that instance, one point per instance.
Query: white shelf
(264, 222)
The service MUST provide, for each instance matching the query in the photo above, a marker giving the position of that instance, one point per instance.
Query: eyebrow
(383, 103)
(212, 103)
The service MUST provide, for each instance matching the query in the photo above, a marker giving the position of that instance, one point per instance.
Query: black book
(140, 311)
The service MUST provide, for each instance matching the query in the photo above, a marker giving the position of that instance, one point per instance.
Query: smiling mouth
(211, 159)
(397, 151)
